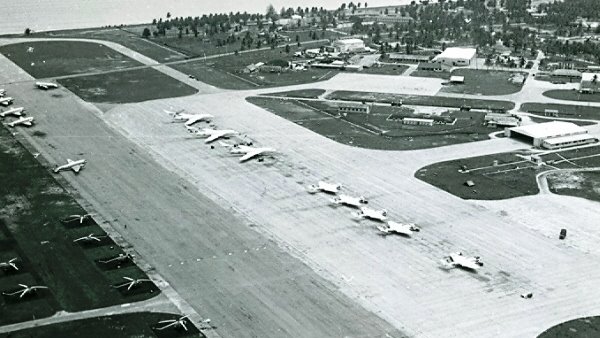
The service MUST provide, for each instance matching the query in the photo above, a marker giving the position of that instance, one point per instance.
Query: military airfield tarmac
(248, 247)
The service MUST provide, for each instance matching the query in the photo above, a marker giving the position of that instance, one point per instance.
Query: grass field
(143, 324)
(512, 176)
(430, 73)
(579, 184)
(588, 327)
(423, 100)
(485, 82)
(302, 93)
(386, 70)
(376, 130)
(127, 86)
(564, 110)
(129, 37)
(32, 203)
(225, 72)
(572, 95)
(58, 58)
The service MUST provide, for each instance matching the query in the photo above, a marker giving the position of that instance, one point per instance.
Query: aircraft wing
(27, 123)
(77, 168)
(213, 137)
(193, 120)
(251, 154)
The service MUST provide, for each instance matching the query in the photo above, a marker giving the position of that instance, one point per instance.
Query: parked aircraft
(80, 218)
(25, 121)
(13, 112)
(131, 283)
(2, 92)
(5, 101)
(189, 119)
(457, 259)
(249, 152)
(329, 188)
(175, 323)
(10, 264)
(392, 227)
(88, 238)
(375, 215)
(212, 134)
(25, 290)
(355, 202)
(76, 166)
(121, 258)
(46, 85)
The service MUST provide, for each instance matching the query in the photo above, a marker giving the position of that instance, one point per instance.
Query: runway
(247, 246)
(248, 284)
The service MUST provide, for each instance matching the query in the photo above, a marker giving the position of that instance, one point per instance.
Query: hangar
(456, 56)
(543, 134)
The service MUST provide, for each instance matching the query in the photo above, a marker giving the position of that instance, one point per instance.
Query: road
(249, 247)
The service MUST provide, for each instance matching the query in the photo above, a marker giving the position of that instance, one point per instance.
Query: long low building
(542, 134)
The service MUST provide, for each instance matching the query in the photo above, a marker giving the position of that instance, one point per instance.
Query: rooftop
(458, 53)
(570, 138)
(349, 41)
(549, 129)
(456, 78)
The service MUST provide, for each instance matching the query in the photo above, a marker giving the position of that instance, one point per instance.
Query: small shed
(457, 79)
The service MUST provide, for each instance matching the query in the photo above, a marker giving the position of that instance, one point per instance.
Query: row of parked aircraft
(386, 226)
(19, 112)
(246, 151)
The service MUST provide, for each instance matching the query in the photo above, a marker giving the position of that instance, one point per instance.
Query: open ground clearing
(486, 82)
(226, 71)
(126, 86)
(580, 184)
(513, 175)
(59, 58)
(381, 129)
(32, 205)
(572, 95)
(423, 100)
(564, 110)
(143, 324)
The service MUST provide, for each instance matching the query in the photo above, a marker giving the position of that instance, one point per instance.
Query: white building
(417, 121)
(349, 45)
(456, 56)
(590, 83)
(551, 135)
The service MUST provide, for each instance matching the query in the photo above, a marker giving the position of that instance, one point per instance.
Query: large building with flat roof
(456, 56)
(550, 135)
(349, 45)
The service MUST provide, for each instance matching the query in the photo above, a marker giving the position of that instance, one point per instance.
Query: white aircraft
(457, 259)
(211, 134)
(46, 85)
(26, 121)
(5, 101)
(73, 165)
(13, 112)
(175, 323)
(376, 215)
(392, 227)
(80, 218)
(25, 290)
(249, 152)
(9, 264)
(131, 283)
(330, 188)
(189, 119)
(355, 202)
(89, 238)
